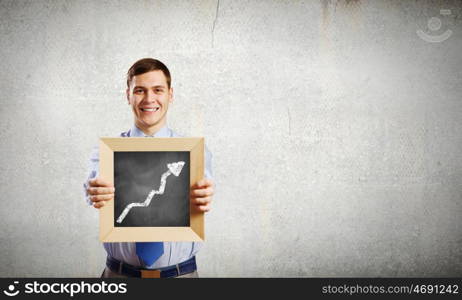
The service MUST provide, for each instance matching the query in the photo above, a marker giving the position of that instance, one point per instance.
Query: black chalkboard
(137, 177)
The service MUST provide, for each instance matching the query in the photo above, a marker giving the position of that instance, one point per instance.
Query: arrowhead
(176, 168)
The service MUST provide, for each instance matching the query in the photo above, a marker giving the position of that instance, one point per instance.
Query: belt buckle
(150, 273)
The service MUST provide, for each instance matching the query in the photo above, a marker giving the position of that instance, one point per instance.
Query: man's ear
(127, 92)
(171, 95)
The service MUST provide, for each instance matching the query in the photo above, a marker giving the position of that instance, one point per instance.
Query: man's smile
(149, 109)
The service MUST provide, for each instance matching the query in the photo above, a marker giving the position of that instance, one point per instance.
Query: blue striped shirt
(174, 252)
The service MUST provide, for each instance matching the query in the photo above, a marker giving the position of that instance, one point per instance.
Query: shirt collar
(163, 132)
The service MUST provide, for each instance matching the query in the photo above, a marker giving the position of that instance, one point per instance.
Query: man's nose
(150, 96)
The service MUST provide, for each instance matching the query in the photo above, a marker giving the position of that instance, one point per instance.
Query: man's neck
(150, 131)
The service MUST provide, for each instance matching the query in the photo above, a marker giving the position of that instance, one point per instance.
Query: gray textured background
(335, 129)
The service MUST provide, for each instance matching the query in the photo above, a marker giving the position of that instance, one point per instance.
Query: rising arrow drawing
(173, 168)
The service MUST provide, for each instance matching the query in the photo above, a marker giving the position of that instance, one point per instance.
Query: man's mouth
(149, 109)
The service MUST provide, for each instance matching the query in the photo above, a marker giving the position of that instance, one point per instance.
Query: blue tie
(149, 252)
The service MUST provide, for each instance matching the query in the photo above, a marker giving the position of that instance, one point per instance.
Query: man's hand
(100, 191)
(201, 195)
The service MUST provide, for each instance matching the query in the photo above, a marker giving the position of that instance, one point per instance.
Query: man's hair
(147, 65)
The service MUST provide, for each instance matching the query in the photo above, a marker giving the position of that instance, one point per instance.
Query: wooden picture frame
(111, 233)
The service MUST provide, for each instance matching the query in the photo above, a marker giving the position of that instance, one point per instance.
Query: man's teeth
(150, 109)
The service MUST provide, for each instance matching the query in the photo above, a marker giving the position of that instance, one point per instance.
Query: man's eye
(139, 91)
(159, 90)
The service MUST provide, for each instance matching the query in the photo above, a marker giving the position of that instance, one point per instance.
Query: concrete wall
(335, 129)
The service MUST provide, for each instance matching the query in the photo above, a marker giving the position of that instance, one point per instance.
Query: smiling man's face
(149, 97)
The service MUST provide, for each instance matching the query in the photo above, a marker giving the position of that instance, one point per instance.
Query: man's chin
(149, 123)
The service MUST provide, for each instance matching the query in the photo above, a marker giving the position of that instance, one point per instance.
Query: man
(149, 94)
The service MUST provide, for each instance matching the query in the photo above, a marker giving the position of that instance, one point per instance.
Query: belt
(122, 268)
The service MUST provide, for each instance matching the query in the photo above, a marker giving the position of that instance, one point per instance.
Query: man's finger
(201, 201)
(101, 190)
(97, 198)
(99, 182)
(98, 205)
(204, 183)
(202, 192)
(204, 208)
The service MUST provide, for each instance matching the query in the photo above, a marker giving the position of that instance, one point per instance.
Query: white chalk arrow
(176, 168)
(173, 168)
